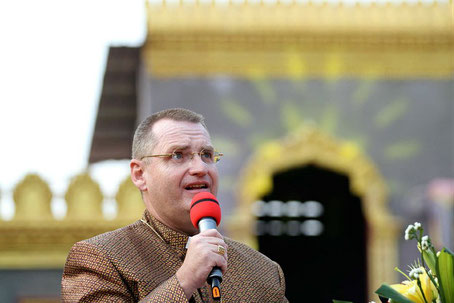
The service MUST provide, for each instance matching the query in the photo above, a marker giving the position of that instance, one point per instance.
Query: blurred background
(335, 118)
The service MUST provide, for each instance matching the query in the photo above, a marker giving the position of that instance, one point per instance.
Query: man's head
(144, 140)
(168, 166)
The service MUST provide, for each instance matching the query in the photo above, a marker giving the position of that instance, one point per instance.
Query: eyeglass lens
(207, 156)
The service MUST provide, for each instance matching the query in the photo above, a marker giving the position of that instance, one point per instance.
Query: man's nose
(197, 166)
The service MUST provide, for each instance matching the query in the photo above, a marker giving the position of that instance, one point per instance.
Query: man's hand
(200, 259)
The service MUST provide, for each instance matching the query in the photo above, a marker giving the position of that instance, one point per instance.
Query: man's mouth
(196, 186)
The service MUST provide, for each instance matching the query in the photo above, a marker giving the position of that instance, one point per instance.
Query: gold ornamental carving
(310, 146)
(34, 238)
(32, 197)
(84, 199)
(299, 40)
(129, 201)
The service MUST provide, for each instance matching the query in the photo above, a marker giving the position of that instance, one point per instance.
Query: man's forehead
(168, 131)
(165, 126)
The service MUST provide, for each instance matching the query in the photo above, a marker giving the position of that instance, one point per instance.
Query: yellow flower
(411, 290)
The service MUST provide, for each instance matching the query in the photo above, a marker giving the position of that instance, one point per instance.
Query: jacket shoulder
(114, 237)
(243, 253)
(115, 243)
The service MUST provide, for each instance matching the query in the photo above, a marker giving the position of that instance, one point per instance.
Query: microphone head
(204, 205)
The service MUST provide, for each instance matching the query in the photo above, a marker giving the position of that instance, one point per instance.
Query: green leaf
(431, 259)
(338, 301)
(445, 274)
(448, 251)
(388, 292)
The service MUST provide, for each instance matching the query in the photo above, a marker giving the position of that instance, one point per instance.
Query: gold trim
(300, 40)
(310, 146)
(35, 244)
(35, 239)
(154, 230)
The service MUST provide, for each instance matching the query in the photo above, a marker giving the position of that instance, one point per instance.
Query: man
(147, 261)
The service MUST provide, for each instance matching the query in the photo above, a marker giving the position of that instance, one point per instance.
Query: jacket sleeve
(90, 276)
(168, 291)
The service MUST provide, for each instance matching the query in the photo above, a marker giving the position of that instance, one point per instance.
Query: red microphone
(205, 205)
(205, 214)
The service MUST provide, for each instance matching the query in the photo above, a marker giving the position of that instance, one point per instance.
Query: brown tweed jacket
(135, 264)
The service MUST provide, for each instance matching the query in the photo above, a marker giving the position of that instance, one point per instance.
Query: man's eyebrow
(186, 147)
(208, 147)
(178, 147)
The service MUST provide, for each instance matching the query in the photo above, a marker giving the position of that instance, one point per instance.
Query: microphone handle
(215, 276)
(207, 223)
(215, 279)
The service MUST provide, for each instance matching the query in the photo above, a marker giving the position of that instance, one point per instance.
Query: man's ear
(138, 174)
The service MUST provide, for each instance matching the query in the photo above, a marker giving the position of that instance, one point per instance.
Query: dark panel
(319, 264)
(115, 121)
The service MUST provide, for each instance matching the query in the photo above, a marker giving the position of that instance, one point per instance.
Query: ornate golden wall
(35, 239)
(300, 40)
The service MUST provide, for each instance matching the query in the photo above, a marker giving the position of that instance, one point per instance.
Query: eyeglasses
(180, 157)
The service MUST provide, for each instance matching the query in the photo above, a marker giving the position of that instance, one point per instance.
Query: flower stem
(433, 280)
(422, 291)
(422, 257)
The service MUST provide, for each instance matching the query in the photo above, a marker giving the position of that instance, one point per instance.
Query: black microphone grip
(215, 276)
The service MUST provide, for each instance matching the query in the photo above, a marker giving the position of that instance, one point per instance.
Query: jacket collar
(176, 240)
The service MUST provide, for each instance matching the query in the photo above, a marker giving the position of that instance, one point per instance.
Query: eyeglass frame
(216, 155)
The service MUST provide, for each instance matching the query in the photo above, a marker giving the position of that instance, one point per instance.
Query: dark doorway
(314, 227)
